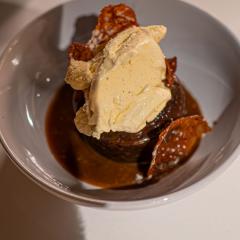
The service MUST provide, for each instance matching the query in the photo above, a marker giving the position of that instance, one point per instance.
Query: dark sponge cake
(123, 146)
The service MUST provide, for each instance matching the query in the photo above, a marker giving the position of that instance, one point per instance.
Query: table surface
(27, 212)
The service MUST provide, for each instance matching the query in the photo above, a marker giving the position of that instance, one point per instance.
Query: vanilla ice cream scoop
(123, 84)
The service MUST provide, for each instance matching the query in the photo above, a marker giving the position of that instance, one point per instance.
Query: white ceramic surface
(207, 66)
(211, 213)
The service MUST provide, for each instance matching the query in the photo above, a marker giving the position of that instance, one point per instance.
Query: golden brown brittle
(112, 20)
(176, 143)
(171, 64)
(79, 51)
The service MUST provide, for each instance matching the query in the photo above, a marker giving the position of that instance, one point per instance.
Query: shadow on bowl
(34, 213)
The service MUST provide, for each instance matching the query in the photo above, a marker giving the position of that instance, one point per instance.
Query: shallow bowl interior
(33, 67)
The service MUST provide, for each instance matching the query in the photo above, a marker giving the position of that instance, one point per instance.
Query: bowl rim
(123, 204)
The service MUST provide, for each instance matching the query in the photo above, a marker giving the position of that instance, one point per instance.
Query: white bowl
(33, 67)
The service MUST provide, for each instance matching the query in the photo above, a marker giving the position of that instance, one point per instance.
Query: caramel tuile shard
(80, 52)
(112, 20)
(171, 65)
(176, 143)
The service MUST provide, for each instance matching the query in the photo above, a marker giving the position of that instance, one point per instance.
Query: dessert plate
(33, 67)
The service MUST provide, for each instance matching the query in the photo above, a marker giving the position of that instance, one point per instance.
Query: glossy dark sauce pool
(78, 157)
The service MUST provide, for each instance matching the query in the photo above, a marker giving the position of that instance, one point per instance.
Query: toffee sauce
(81, 159)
